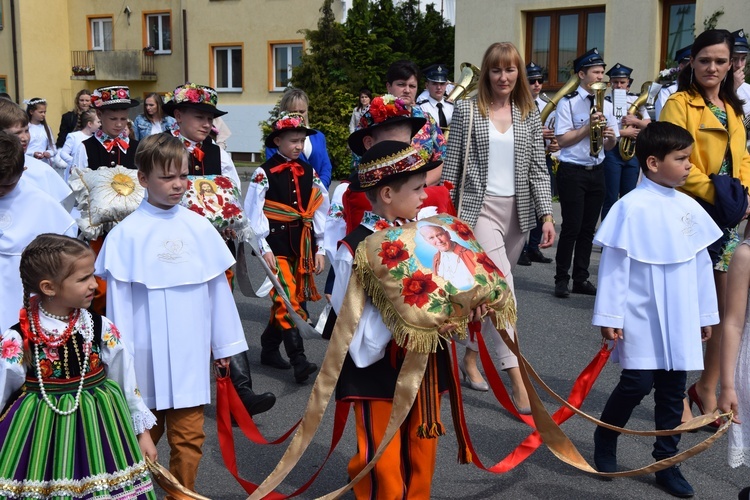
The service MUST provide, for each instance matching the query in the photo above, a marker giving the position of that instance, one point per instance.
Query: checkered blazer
(532, 182)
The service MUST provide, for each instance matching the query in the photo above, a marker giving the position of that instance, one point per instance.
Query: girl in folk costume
(287, 204)
(110, 145)
(74, 424)
(41, 145)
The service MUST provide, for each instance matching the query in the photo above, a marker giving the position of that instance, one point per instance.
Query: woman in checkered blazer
(505, 187)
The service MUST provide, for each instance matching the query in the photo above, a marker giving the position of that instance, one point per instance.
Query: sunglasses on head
(536, 80)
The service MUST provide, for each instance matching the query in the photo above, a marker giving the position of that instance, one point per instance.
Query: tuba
(465, 86)
(627, 144)
(569, 87)
(597, 126)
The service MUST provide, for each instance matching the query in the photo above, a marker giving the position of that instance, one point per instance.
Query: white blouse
(501, 163)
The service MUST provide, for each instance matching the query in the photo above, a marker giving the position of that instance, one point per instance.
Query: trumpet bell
(467, 84)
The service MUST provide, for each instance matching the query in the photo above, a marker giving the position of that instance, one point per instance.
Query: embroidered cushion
(105, 196)
(217, 198)
(424, 274)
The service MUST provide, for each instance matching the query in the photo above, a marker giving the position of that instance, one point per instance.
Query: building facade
(641, 34)
(246, 49)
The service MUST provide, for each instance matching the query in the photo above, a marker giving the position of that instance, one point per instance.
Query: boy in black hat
(286, 204)
(739, 60)
(682, 58)
(621, 176)
(434, 103)
(392, 176)
(580, 178)
(194, 108)
(110, 145)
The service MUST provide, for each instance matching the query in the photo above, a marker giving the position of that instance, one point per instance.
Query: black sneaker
(561, 289)
(536, 255)
(523, 260)
(673, 482)
(584, 287)
(605, 452)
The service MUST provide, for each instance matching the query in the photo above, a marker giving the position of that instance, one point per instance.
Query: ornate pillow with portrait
(217, 198)
(105, 196)
(424, 274)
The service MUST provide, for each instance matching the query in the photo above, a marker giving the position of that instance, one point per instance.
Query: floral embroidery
(392, 253)
(223, 182)
(487, 264)
(336, 211)
(11, 350)
(416, 289)
(216, 198)
(45, 366)
(260, 178)
(192, 93)
(111, 336)
(51, 353)
(461, 229)
(382, 224)
(94, 361)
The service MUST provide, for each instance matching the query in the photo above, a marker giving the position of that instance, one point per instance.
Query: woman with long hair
(71, 121)
(363, 104)
(707, 105)
(505, 186)
(153, 120)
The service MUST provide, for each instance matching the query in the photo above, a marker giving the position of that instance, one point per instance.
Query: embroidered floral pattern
(260, 178)
(462, 230)
(111, 336)
(416, 289)
(392, 253)
(336, 211)
(216, 198)
(192, 93)
(10, 350)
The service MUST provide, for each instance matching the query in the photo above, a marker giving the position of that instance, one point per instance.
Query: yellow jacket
(711, 141)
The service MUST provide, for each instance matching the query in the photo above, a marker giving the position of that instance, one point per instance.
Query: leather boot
(295, 349)
(239, 373)
(270, 341)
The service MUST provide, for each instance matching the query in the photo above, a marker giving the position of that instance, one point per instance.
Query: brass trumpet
(569, 87)
(465, 86)
(596, 134)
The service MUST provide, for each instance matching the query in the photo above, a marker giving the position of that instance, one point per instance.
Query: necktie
(111, 143)
(198, 153)
(591, 100)
(441, 116)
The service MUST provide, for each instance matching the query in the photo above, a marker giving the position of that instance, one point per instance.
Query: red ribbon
(581, 388)
(198, 153)
(120, 143)
(229, 404)
(297, 169)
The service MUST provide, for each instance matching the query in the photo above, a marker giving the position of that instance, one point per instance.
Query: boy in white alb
(656, 296)
(174, 306)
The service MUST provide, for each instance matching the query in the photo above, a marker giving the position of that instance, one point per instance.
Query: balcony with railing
(112, 65)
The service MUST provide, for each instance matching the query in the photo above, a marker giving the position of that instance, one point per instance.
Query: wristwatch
(547, 218)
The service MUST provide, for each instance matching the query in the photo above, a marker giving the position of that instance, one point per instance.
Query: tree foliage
(343, 58)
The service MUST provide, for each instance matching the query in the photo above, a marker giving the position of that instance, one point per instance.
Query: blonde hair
(159, 149)
(502, 55)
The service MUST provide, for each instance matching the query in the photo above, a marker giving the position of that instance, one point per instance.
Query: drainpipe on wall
(185, 45)
(15, 48)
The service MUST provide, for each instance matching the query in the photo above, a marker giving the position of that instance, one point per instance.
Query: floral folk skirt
(92, 453)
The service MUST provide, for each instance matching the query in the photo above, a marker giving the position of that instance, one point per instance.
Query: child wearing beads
(74, 409)
(172, 303)
(41, 145)
(91, 123)
(25, 212)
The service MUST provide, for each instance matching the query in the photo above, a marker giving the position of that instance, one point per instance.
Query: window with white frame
(228, 69)
(286, 57)
(159, 29)
(101, 33)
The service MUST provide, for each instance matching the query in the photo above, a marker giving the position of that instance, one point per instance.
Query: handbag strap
(465, 165)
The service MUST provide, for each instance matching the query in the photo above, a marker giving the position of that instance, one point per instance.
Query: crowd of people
(671, 215)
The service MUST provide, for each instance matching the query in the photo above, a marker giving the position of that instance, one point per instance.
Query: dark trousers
(620, 177)
(581, 195)
(535, 235)
(669, 391)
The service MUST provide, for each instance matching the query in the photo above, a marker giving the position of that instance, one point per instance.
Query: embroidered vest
(99, 157)
(211, 164)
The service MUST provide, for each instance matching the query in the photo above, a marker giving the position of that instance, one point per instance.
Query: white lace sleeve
(121, 369)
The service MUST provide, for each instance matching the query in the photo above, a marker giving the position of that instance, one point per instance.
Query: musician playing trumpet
(585, 127)
(621, 174)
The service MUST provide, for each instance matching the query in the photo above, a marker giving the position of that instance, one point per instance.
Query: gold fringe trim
(412, 337)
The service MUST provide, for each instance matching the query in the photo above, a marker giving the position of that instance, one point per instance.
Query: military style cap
(619, 71)
(740, 42)
(436, 73)
(590, 58)
(534, 71)
(683, 54)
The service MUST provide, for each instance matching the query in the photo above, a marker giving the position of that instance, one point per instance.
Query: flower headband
(288, 121)
(382, 108)
(34, 102)
(194, 94)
